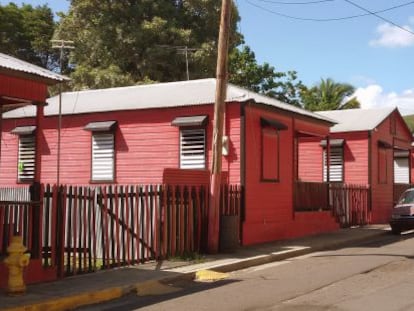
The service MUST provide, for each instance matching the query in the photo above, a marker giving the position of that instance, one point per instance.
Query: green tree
(329, 95)
(246, 72)
(26, 31)
(135, 40)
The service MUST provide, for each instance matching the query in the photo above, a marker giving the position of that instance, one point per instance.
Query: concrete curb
(146, 287)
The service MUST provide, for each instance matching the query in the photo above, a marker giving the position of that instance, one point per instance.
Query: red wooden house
(22, 84)
(367, 146)
(151, 133)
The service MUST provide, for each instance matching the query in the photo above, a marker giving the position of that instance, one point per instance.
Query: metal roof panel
(160, 95)
(15, 64)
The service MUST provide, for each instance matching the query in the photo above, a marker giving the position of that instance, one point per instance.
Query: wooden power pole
(219, 109)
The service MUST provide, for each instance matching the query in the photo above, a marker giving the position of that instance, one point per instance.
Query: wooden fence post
(36, 248)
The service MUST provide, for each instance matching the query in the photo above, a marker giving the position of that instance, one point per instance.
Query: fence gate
(112, 226)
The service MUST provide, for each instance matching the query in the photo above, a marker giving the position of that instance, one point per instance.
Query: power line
(379, 16)
(327, 19)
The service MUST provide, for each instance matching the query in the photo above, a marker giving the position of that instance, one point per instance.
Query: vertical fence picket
(85, 228)
(105, 216)
(140, 225)
(156, 222)
(128, 227)
(2, 228)
(164, 218)
(147, 225)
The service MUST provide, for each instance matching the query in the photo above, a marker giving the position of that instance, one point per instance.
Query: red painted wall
(310, 166)
(382, 193)
(145, 141)
(22, 88)
(355, 158)
(269, 205)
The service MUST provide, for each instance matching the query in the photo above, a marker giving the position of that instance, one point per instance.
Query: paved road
(375, 276)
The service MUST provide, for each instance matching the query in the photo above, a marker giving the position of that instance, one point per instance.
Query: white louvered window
(401, 170)
(193, 148)
(103, 156)
(336, 164)
(26, 165)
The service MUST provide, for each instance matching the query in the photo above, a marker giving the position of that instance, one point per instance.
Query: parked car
(402, 217)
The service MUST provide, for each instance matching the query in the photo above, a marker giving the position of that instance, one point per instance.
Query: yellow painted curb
(71, 302)
(154, 288)
(210, 276)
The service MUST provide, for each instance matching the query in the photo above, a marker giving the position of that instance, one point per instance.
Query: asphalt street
(374, 276)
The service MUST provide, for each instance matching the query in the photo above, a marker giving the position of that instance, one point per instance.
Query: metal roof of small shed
(160, 95)
(353, 120)
(8, 62)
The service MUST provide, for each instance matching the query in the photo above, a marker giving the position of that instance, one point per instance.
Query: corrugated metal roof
(352, 120)
(12, 63)
(160, 95)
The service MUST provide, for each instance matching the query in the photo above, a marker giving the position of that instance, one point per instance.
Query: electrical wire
(327, 19)
(379, 16)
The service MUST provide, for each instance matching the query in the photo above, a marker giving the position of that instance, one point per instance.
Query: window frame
(272, 131)
(113, 179)
(26, 180)
(192, 128)
(382, 172)
(324, 164)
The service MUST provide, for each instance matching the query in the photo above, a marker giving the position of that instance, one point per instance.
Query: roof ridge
(147, 85)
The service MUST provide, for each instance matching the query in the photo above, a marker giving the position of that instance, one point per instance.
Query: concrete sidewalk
(101, 286)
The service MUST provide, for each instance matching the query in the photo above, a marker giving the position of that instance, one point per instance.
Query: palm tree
(329, 95)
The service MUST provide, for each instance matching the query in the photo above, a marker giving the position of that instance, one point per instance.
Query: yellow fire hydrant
(16, 262)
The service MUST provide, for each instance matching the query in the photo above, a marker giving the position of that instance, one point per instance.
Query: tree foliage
(329, 95)
(244, 71)
(26, 31)
(136, 40)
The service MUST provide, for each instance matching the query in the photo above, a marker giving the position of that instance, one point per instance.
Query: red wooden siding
(269, 205)
(355, 157)
(9, 151)
(22, 88)
(145, 142)
(270, 154)
(382, 193)
(310, 159)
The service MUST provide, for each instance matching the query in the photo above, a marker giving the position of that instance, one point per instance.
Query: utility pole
(219, 109)
(62, 45)
(181, 50)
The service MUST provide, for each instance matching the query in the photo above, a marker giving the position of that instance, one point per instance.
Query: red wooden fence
(350, 204)
(84, 229)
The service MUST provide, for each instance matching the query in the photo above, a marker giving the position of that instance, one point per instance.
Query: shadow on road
(133, 301)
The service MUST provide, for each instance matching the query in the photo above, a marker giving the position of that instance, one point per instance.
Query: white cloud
(392, 36)
(374, 96)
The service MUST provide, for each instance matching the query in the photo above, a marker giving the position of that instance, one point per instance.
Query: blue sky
(371, 54)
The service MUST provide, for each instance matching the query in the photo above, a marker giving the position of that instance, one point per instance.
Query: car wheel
(395, 230)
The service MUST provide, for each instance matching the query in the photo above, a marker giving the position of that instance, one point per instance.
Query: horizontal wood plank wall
(269, 205)
(310, 166)
(146, 143)
(9, 151)
(355, 157)
(22, 88)
(382, 193)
